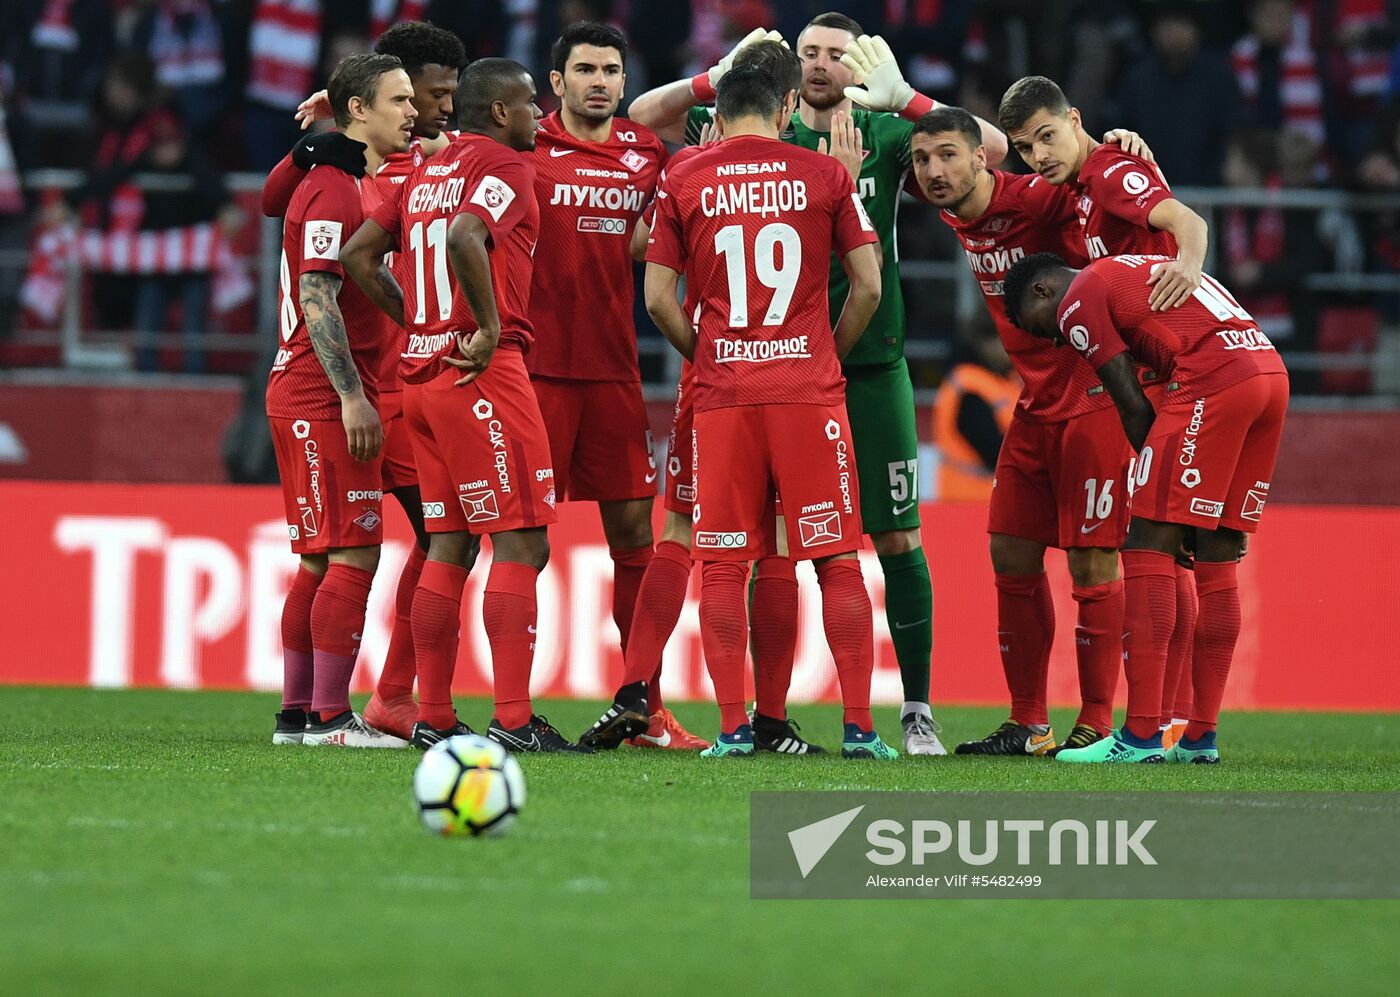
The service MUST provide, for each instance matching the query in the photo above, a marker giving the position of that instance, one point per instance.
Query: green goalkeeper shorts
(880, 405)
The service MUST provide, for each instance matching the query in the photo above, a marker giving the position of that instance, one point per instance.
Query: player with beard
(326, 431)
(879, 394)
(769, 413)
(594, 174)
(432, 57)
(773, 603)
(1123, 205)
(1060, 475)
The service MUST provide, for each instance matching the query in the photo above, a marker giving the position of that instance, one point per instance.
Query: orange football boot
(665, 731)
(393, 716)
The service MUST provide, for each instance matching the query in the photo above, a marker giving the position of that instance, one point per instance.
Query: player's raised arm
(470, 259)
(862, 266)
(325, 327)
(1176, 281)
(363, 259)
(880, 86)
(663, 109)
(329, 148)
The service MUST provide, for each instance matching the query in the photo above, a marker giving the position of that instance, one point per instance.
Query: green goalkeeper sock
(909, 610)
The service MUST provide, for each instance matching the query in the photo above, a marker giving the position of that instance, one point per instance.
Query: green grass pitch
(155, 842)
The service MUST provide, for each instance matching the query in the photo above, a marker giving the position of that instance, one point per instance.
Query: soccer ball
(468, 785)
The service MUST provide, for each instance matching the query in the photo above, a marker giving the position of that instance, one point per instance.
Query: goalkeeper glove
(703, 85)
(873, 64)
(330, 149)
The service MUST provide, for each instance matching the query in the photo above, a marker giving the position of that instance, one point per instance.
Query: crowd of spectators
(1260, 93)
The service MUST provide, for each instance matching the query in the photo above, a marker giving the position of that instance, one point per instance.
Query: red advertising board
(181, 586)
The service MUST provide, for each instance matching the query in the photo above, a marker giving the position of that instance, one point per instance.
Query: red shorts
(332, 499)
(1208, 461)
(481, 450)
(680, 452)
(599, 438)
(1063, 484)
(747, 454)
(399, 469)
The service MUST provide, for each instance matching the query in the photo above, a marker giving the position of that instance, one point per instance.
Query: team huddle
(480, 365)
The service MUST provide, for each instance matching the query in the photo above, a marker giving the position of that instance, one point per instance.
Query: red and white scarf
(191, 249)
(187, 60)
(384, 14)
(284, 45)
(1301, 84)
(1367, 67)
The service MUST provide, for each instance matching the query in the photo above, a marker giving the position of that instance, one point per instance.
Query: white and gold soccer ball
(468, 785)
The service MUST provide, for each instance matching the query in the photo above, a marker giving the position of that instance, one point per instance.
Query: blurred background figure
(185, 40)
(125, 120)
(284, 54)
(185, 198)
(1277, 70)
(56, 52)
(970, 414)
(195, 209)
(12, 224)
(1178, 72)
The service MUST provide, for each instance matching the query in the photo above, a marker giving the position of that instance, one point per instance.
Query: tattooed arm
(326, 327)
(363, 259)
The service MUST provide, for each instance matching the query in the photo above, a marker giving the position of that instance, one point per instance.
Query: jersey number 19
(781, 278)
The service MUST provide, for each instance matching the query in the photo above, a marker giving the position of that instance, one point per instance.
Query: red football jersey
(1027, 216)
(692, 286)
(1115, 192)
(393, 172)
(478, 175)
(1206, 344)
(754, 221)
(590, 196)
(324, 212)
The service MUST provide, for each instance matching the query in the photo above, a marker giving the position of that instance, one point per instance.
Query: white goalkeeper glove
(703, 84)
(873, 64)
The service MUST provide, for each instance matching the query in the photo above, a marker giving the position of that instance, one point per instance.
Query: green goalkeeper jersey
(887, 161)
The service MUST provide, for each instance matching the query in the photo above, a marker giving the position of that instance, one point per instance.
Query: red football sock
(655, 702)
(1217, 630)
(437, 614)
(1179, 650)
(659, 603)
(850, 633)
(1025, 630)
(298, 667)
(1149, 619)
(400, 669)
(509, 611)
(629, 566)
(773, 633)
(337, 622)
(1098, 645)
(724, 628)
